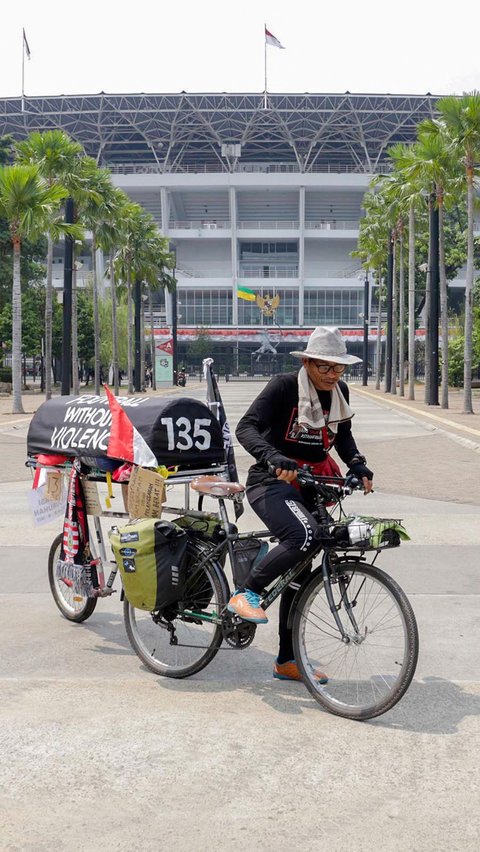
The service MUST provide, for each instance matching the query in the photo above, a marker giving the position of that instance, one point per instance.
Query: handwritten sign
(44, 510)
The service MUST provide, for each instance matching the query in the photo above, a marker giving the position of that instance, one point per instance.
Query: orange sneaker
(290, 671)
(246, 604)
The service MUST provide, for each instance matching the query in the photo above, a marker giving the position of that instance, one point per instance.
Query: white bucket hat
(328, 345)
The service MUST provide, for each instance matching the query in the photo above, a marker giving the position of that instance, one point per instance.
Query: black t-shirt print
(306, 435)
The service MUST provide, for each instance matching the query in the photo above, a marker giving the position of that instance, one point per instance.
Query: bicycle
(349, 618)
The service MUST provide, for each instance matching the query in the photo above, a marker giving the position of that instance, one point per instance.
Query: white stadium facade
(265, 198)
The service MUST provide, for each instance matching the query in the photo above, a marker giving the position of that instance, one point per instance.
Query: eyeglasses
(326, 368)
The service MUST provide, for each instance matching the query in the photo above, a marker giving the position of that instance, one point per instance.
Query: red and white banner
(272, 40)
(125, 441)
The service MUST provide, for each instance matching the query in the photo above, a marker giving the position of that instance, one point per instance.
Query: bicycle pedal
(106, 592)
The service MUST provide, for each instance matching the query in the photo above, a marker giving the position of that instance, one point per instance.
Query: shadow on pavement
(432, 706)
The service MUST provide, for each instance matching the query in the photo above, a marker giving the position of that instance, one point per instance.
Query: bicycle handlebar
(323, 485)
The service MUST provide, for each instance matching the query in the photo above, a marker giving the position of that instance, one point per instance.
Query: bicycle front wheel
(180, 642)
(74, 605)
(370, 670)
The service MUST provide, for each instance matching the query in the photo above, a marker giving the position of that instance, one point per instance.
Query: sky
(212, 46)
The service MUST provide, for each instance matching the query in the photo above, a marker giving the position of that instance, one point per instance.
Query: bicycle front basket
(365, 533)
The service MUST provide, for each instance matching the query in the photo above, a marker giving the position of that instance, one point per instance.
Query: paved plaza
(96, 753)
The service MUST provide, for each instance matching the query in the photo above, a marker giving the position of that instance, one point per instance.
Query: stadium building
(264, 198)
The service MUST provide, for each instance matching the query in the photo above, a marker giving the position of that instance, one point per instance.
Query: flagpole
(265, 47)
(23, 70)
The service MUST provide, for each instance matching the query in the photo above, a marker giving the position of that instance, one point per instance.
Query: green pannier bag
(151, 556)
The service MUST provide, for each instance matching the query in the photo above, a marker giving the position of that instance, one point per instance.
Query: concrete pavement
(97, 753)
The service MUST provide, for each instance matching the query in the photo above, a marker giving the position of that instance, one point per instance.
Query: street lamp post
(434, 304)
(390, 329)
(137, 384)
(366, 305)
(173, 252)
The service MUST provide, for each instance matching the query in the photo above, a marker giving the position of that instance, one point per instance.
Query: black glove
(277, 461)
(360, 469)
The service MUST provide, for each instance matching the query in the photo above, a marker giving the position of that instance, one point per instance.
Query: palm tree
(142, 256)
(96, 206)
(438, 170)
(108, 237)
(57, 157)
(28, 203)
(461, 120)
(373, 250)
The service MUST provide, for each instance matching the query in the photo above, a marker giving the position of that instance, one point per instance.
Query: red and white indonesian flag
(125, 441)
(272, 40)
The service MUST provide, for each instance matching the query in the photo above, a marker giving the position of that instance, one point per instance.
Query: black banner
(178, 430)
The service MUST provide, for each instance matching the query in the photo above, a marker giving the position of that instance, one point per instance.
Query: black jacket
(269, 427)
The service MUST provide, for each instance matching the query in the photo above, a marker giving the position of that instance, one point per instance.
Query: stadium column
(165, 207)
(301, 254)
(233, 228)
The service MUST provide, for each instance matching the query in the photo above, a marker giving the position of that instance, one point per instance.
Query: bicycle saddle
(214, 486)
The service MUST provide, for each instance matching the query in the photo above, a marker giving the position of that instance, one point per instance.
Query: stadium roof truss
(310, 132)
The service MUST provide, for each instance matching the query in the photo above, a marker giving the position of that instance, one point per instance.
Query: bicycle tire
(207, 591)
(72, 610)
(318, 643)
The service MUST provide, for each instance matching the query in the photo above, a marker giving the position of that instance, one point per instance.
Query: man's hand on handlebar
(362, 472)
(283, 468)
(367, 485)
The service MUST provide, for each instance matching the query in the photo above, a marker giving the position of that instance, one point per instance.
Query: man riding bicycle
(295, 420)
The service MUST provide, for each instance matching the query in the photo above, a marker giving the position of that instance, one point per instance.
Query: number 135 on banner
(183, 434)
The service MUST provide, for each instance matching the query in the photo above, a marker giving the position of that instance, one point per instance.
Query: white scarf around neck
(310, 412)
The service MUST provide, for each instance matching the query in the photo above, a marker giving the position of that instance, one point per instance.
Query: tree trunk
(468, 354)
(443, 304)
(393, 387)
(401, 320)
(129, 333)
(75, 364)
(142, 344)
(152, 338)
(113, 291)
(411, 302)
(96, 319)
(379, 332)
(49, 319)
(17, 331)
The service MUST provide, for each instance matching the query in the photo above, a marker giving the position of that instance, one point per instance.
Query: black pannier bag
(151, 556)
(247, 553)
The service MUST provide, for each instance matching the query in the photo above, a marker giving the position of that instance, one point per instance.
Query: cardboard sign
(146, 493)
(44, 510)
(54, 485)
(92, 500)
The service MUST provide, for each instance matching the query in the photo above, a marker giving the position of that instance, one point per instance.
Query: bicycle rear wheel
(178, 643)
(371, 671)
(73, 604)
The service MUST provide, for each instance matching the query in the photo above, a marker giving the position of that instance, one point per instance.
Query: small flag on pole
(25, 46)
(246, 293)
(272, 40)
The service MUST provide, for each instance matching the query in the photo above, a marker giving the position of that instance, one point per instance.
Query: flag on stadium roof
(272, 40)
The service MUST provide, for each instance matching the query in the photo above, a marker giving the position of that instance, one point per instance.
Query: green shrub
(456, 360)
(5, 374)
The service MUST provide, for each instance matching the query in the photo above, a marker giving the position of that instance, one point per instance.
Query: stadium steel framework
(224, 132)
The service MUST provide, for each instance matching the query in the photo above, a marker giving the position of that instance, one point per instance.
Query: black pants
(282, 509)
